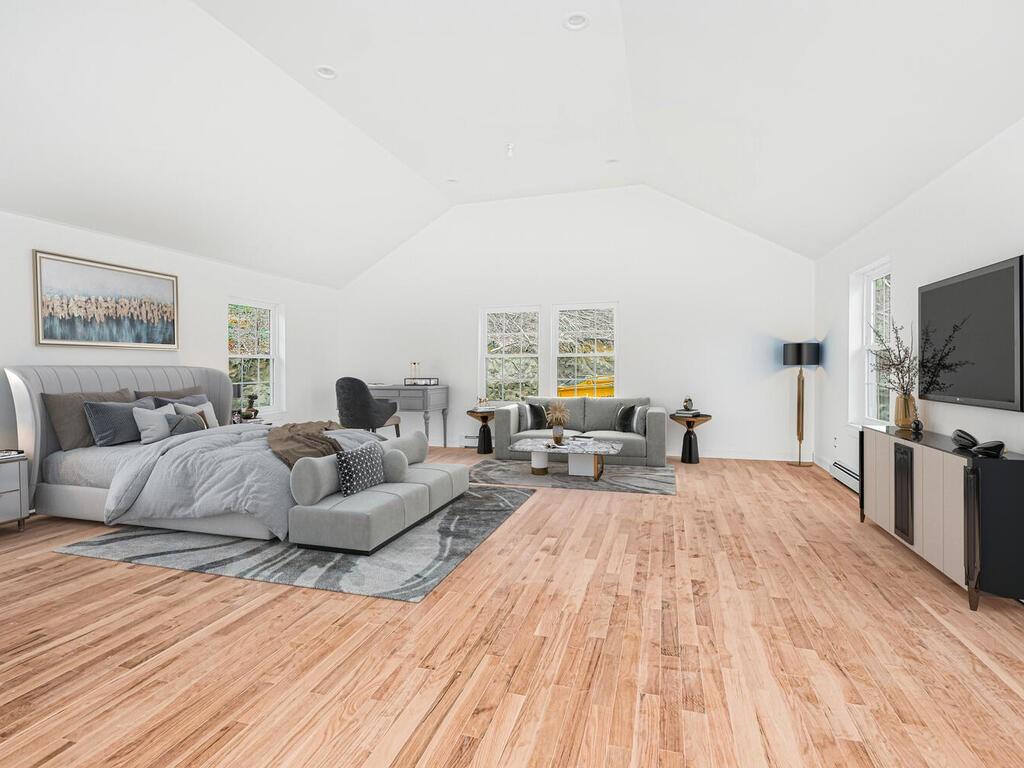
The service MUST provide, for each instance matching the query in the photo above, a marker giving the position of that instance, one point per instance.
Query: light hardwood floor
(749, 621)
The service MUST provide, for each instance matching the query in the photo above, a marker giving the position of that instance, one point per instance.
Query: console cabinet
(960, 512)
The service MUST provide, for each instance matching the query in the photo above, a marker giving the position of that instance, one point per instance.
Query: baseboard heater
(846, 476)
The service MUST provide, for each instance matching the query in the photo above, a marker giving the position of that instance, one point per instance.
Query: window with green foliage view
(251, 341)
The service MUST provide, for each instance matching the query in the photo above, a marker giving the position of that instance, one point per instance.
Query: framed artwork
(88, 303)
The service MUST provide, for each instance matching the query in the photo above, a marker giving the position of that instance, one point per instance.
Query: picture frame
(87, 303)
(422, 382)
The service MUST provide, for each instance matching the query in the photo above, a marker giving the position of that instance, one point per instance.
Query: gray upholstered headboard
(35, 433)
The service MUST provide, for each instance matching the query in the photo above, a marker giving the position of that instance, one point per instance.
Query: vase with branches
(895, 362)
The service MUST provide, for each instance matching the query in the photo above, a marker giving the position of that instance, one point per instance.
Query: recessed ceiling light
(576, 21)
(326, 71)
(612, 160)
(452, 181)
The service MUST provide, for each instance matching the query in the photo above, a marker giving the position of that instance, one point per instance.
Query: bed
(75, 483)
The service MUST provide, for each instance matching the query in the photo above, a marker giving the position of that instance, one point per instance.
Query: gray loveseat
(592, 417)
(366, 521)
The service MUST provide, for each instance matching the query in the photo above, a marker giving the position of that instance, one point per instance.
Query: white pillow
(206, 409)
(152, 425)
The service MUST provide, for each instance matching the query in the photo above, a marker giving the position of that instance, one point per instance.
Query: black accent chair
(358, 409)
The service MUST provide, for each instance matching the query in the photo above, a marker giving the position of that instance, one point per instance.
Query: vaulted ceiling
(205, 127)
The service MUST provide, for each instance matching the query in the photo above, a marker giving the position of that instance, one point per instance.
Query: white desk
(421, 399)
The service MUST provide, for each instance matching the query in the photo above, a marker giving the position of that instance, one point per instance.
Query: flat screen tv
(970, 337)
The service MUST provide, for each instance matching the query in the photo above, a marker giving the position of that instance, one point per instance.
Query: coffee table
(586, 457)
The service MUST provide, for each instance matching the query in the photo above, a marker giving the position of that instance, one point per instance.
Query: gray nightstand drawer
(10, 476)
(10, 506)
(407, 403)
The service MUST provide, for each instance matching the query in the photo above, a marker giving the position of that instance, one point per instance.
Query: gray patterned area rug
(406, 569)
(617, 477)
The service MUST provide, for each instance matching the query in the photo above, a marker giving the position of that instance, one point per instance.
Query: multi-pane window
(878, 290)
(252, 352)
(511, 354)
(585, 352)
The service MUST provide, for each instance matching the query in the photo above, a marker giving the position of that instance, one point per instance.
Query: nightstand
(14, 489)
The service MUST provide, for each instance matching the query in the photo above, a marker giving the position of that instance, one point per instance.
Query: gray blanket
(209, 473)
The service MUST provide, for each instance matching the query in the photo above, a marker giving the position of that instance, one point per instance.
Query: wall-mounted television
(969, 337)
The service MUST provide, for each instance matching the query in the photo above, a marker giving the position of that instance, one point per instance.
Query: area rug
(406, 569)
(620, 478)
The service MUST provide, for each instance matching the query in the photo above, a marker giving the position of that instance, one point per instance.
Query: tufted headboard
(35, 432)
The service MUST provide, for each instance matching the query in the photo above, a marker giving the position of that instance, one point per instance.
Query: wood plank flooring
(749, 621)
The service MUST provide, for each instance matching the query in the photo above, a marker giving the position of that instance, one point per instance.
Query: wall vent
(846, 476)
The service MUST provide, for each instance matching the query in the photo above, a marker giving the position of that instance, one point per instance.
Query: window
(511, 343)
(585, 351)
(878, 313)
(254, 353)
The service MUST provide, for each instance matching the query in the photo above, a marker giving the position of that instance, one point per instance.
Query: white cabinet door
(884, 481)
(930, 509)
(953, 517)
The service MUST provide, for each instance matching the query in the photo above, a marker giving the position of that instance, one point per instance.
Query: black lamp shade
(801, 353)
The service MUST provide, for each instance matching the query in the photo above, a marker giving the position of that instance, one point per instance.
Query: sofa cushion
(632, 445)
(544, 434)
(601, 411)
(361, 522)
(443, 481)
(575, 406)
(414, 446)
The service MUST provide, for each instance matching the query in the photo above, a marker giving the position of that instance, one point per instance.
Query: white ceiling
(203, 127)
(799, 120)
(152, 121)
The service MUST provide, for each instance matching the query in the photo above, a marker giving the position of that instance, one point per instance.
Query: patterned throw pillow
(532, 416)
(360, 468)
(632, 418)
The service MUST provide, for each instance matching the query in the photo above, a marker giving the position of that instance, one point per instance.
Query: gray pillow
(639, 422)
(360, 468)
(114, 423)
(178, 424)
(67, 414)
(204, 409)
(414, 446)
(171, 393)
(192, 400)
(152, 423)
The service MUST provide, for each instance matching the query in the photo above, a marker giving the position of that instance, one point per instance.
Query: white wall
(204, 288)
(967, 218)
(703, 306)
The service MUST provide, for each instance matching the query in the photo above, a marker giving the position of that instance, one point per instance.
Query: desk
(690, 454)
(421, 399)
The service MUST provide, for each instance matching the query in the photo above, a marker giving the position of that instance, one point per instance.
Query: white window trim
(552, 379)
(861, 373)
(277, 352)
(481, 343)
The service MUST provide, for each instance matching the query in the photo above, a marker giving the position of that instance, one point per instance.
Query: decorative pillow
(360, 468)
(152, 423)
(183, 424)
(114, 423)
(67, 414)
(203, 409)
(192, 400)
(624, 418)
(171, 393)
(638, 424)
(538, 416)
(524, 416)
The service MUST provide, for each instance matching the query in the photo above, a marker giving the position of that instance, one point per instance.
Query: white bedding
(93, 467)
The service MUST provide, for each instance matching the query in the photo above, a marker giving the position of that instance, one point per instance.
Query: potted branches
(558, 419)
(896, 364)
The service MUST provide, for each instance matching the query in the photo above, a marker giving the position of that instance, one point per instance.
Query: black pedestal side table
(690, 454)
(484, 444)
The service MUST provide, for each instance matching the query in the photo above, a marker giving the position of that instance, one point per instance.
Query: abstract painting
(89, 303)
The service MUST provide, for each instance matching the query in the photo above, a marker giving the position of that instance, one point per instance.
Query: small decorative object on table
(964, 439)
(251, 412)
(422, 381)
(916, 427)
(687, 404)
(896, 362)
(558, 418)
(993, 449)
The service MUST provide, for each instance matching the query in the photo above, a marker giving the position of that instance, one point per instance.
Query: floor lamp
(803, 354)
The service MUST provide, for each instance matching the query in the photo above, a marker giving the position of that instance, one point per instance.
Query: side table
(484, 443)
(690, 454)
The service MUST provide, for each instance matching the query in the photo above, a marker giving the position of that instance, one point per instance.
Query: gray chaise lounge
(593, 417)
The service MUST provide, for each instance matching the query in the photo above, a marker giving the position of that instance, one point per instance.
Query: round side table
(484, 443)
(690, 454)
